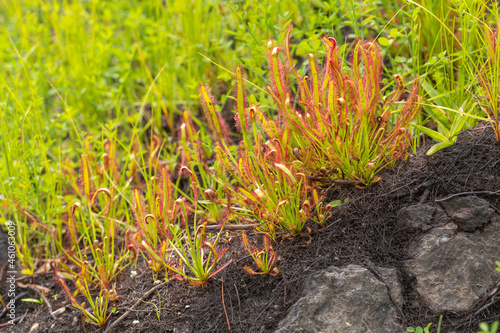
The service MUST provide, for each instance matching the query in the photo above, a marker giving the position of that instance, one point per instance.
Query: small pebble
(34, 327)
(75, 321)
(135, 322)
(157, 282)
(188, 306)
(59, 311)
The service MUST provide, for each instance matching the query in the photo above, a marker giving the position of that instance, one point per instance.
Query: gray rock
(390, 277)
(348, 300)
(470, 213)
(416, 217)
(453, 269)
(440, 218)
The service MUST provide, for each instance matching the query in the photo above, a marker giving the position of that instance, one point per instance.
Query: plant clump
(340, 124)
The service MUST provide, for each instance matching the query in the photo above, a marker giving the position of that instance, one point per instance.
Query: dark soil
(363, 231)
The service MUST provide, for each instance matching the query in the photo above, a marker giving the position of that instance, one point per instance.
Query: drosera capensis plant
(172, 244)
(341, 127)
(155, 229)
(197, 253)
(107, 260)
(28, 231)
(98, 312)
(278, 194)
(264, 259)
(197, 155)
(198, 256)
(264, 179)
(91, 240)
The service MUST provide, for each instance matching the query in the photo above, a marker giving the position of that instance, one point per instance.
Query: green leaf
(302, 49)
(494, 327)
(426, 329)
(224, 76)
(415, 14)
(316, 44)
(368, 20)
(32, 300)
(336, 203)
(252, 99)
(395, 33)
(211, 112)
(438, 146)
(458, 125)
(431, 133)
(445, 130)
(86, 177)
(152, 252)
(484, 327)
(383, 41)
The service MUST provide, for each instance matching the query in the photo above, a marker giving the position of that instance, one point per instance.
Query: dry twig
(224, 305)
(45, 301)
(464, 193)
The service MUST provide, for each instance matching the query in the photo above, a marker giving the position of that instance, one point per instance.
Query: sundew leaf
(86, 178)
(240, 106)
(108, 194)
(212, 114)
(286, 171)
